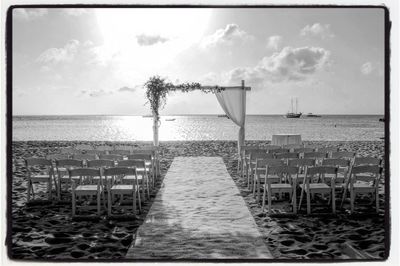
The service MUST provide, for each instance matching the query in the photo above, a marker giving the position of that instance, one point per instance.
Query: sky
(95, 61)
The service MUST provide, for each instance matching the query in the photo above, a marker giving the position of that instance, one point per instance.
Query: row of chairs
(341, 182)
(253, 155)
(286, 179)
(290, 151)
(62, 172)
(123, 150)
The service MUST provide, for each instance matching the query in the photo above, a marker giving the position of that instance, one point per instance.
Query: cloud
(322, 31)
(288, 65)
(370, 68)
(95, 93)
(274, 42)
(148, 40)
(230, 34)
(29, 13)
(127, 89)
(57, 55)
(75, 12)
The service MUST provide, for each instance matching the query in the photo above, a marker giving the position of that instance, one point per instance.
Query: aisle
(198, 214)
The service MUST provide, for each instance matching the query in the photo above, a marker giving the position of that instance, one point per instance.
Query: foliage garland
(157, 89)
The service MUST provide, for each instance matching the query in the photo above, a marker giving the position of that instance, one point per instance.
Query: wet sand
(44, 230)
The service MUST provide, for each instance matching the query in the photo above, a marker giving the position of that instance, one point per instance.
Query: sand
(44, 230)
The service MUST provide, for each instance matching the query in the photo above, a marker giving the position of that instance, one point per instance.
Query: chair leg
(377, 201)
(134, 201)
(263, 200)
(333, 201)
(301, 198)
(294, 200)
(49, 188)
(73, 200)
(137, 193)
(269, 201)
(109, 199)
(352, 199)
(308, 202)
(98, 201)
(29, 190)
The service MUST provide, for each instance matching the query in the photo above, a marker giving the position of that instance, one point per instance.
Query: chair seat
(132, 177)
(66, 177)
(316, 186)
(363, 187)
(40, 178)
(280, 187)
(122, 188)
(141, 170)
(87, 188)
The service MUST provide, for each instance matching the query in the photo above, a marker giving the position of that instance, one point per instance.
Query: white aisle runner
(198, 214)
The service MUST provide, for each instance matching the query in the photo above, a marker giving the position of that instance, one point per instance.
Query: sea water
(194, 127)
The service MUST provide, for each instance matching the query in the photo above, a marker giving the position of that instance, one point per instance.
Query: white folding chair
(46, 175)
(271, 186)
(313, 185)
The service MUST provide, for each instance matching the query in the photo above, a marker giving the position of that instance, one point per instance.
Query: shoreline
(42, 233)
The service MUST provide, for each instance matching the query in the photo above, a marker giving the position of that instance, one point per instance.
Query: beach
(45, 230)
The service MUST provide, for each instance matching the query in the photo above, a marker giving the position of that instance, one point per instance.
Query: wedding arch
(231, 98)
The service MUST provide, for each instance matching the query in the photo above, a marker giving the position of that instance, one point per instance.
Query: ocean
(194, 127)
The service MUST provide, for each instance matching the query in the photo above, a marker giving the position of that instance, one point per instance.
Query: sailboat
(293, 114)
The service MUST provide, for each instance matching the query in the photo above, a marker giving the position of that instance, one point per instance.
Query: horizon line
(172, 114)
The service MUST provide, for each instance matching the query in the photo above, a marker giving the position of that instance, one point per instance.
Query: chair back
(367, 161)
(328, 149)
(84, 172)
(336, 162)
(259, 154)
(270, 147)
(114, 157)
(57, 156)
(100, 163)
(104, 148)
(301, 162)
(113, 171)
(69, 163)
(315, 155)
(303, 150)
(143, 151)
(292, 147)
(287, 155)
(261, 164)
(280, 150)
(84, 147)
(29, 162)
(123, 148)
(343, 154)
(282, 169)
(95, 152)
(317, 170)
(84, 157)
(366, 173)
(141, 156)
(120, 152)
(132, 163)
(70, 151)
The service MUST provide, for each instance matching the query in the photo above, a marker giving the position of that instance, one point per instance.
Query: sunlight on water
(206, 127)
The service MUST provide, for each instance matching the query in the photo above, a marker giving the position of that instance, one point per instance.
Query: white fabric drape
(233, 102)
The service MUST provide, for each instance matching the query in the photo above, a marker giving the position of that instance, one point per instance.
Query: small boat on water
(223, 116)
(147, 116)
(293, 114)
(382, 119)
(170, 119)
(312, 115)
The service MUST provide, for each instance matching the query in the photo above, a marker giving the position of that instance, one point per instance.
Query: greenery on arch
(157, 89)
